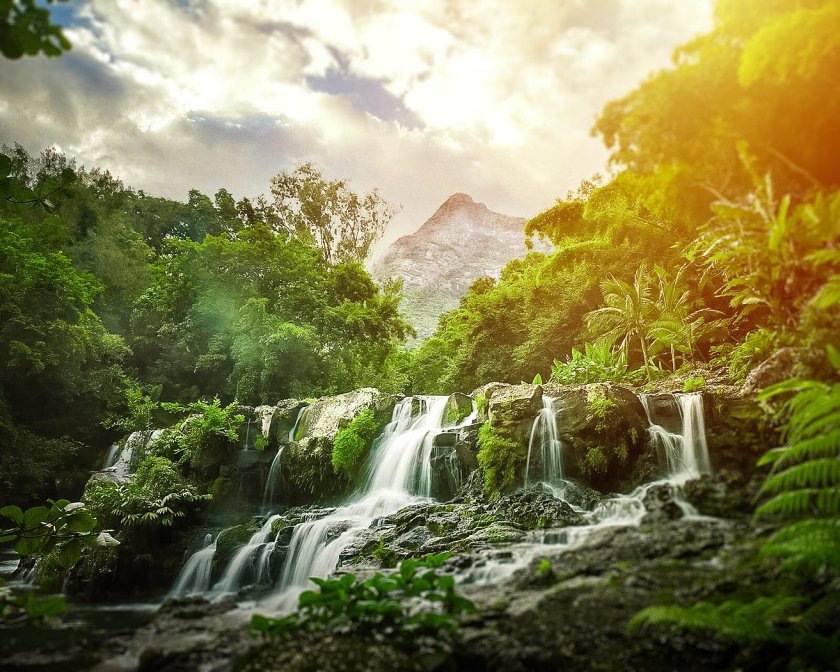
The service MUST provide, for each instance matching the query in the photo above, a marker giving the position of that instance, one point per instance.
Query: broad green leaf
(13, 513)
(69, 553)
(35, 516)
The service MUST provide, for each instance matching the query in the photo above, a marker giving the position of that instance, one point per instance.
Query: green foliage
(537, 380)
(261, 442)
(63, 527)
(157, 496)
(207, 422)
(26, 29)
(353, 442)
(799, 612)
(29, 608)
(501, 458)
(413, 607)
(693, 383)
(597, 363)
(481, 405)
(757, 346)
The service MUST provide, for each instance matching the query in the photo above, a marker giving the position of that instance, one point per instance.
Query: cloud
(421, 99)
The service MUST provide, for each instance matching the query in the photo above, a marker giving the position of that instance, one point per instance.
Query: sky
(418, 98)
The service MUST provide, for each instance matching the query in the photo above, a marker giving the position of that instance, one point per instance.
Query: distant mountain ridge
(462, 241)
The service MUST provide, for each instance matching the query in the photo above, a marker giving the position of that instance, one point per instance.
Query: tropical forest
(227, 444)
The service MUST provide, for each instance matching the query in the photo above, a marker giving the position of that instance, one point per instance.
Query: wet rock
(660, 503)
(308, 460)
(512, 408)
(725, 494)
(533, 509)
(227, 543)
(458, 407)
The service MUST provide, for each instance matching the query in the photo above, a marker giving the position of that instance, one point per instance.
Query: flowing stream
(274, 471)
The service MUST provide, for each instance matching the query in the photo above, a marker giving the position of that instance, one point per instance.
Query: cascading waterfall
(274, 471)
(685, 453)
(545, 449)
(686, 456)
(398, 475)
(194, 576)
(123, 460)
(247, 561)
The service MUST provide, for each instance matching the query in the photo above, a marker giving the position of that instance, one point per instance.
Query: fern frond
(754, 621)
(793, 503)
(825, 611)
(820, 473)
(825, 445)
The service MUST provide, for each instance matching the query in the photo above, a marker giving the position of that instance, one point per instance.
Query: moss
(261, 442)
(385, 556)
(594, 462)
(598, 406)
(501, 458)
(353, 442)
(693, 383)
(481, 405)
(49, 573)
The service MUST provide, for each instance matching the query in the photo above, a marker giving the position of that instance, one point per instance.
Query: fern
(804, 482)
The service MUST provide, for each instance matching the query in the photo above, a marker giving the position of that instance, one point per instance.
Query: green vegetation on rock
(501, 459)
(353, 442)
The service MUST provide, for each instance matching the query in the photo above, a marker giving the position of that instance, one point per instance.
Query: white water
(545, 449)
(248, 559)
(686, 452)
(123, 460)
(687, 458)
(274, 471)
(194, 576)
(399, 474)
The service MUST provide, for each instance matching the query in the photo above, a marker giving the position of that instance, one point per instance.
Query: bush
(412, 607)
(206, 422)
(757, 346)
(596, 364)
(501, 459)
(156, 497)
(352, 442)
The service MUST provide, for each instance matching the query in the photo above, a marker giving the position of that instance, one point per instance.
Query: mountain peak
(463, 240)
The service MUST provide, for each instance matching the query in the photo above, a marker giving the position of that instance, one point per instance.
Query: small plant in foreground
(405, 606)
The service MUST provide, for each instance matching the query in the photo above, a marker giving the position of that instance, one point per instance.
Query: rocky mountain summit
(462, 241)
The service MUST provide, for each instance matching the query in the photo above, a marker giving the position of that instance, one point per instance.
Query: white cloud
(213, 93)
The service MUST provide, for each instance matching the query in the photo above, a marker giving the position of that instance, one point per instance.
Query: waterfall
(274, 471)
(684, 453)
(111, 456)
(545, 448)
(253, 555)
(194, 576)
(398, 474)
(124, 460)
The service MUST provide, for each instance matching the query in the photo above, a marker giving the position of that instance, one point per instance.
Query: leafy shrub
(408, 605)
(352, 442)
(156, 497)
(206, 422)
(757, 346)
(501, 459)
(800, 610)
(481, 405)
(693, 383)
(596, 364)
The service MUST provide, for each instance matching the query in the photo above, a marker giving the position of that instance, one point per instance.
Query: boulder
(776, 368)
(512, 408)
(458, 407)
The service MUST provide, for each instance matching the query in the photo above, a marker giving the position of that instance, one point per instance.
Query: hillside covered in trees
(219, 453)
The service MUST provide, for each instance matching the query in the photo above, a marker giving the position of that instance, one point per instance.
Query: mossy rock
(458, 407)
(228, 541)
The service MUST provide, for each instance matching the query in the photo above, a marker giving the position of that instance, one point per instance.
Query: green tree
(343, 224)
(27, 30)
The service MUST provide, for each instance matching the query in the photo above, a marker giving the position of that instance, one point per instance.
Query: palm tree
(627, 313)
